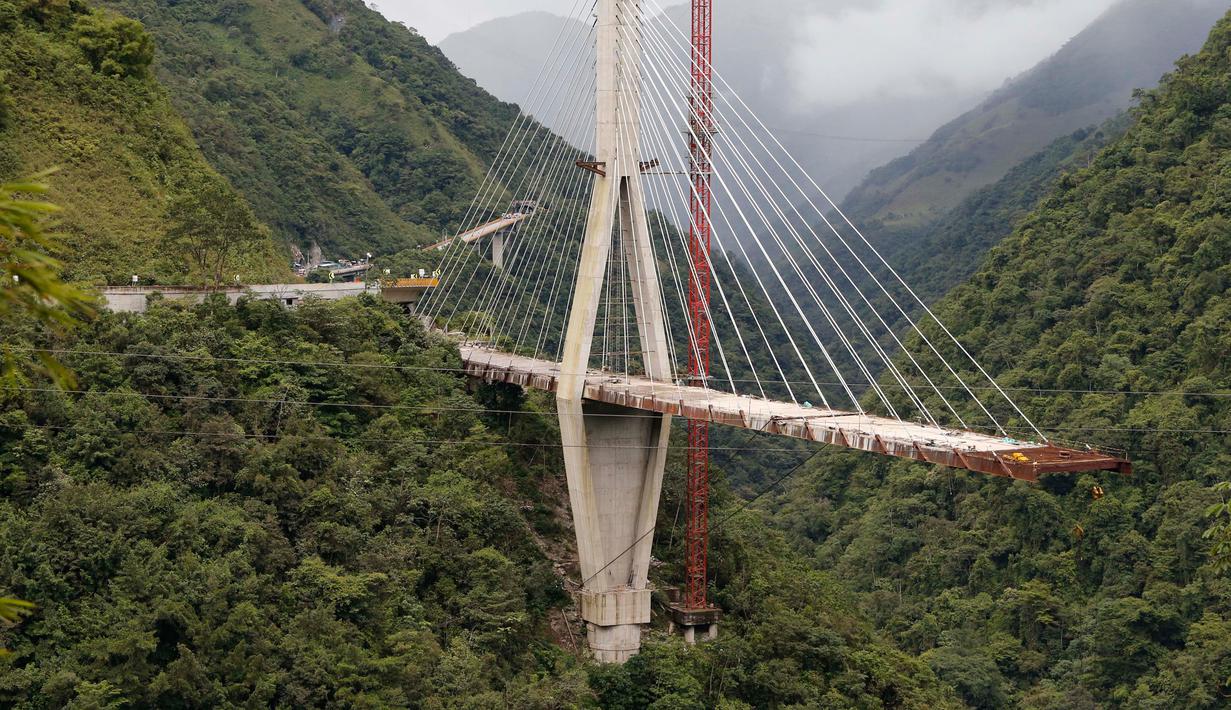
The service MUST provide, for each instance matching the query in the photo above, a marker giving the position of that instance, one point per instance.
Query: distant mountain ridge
(837, 145)
(1091, 79)
(938, 256)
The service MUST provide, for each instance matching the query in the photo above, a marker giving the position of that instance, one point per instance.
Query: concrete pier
(615, 477)
(614, 456)
(498, 250)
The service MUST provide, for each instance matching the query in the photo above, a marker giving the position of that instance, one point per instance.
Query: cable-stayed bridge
(957, 448)
(683, 264)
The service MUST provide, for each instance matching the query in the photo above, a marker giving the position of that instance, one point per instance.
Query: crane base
(694, 624)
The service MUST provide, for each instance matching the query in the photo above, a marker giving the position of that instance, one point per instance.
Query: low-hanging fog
(848, 84)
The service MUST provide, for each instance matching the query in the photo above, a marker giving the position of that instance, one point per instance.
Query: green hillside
(340, 127)
(254, 506)
(245, 506)
(1109, 305)
(76, 94)
(936, 257)
(1087, 82)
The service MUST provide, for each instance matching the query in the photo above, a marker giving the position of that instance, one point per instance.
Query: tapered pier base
(613, 622)
(614, 460)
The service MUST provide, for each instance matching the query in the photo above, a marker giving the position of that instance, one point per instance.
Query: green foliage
(6, 97)
(971, 670)
(943, 253)
(1106, 308)
(11, 612)
(30, 285)
(339, 127)
(9, 15)
(1220, 530)
(261, 540)
(309, 510)
(120, 150)
(31, 290)
(51, 14)
(30, 275)
(208, 229)
(116, 46)
(312, 512)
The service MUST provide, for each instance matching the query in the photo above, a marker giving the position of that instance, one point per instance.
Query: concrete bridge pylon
(614, 464)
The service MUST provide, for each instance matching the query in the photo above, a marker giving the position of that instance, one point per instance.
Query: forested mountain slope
(1087, 82)
(938, 256)
(76, 94)
(505, 56)
(248, 506)
(340, 127)
(1108, 307)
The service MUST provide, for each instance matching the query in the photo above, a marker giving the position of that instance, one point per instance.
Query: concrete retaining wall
(133, 299)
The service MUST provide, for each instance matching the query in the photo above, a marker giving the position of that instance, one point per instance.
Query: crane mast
(701, 132)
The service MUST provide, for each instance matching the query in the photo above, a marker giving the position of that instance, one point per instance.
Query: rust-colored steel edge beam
(598, 168)
(1038, 460)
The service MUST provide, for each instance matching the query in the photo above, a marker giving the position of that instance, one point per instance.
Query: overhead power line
(430, 409)
(359, 439)
(766, 489)
(462, 371)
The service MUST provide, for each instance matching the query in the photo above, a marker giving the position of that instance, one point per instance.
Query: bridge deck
(483, 230)
(960, 449)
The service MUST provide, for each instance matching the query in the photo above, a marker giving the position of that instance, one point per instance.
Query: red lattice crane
(701, 168)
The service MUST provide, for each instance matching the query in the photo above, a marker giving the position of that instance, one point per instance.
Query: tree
(6, 98)
(211, 227)
(11, 611)
(32, 288)
(116, 46)
(32, 285)
(1220, 531)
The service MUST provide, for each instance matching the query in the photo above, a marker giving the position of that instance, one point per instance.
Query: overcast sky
(844, 51)
(915, 47)
(437, 19)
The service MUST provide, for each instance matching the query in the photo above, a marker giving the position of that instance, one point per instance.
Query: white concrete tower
(615, 464)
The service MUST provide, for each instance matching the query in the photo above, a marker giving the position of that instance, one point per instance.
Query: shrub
(9, 14)
(116, 46)
(6, 100)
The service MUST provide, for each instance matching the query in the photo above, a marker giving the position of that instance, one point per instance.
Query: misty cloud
(848, 52)
(436, 19)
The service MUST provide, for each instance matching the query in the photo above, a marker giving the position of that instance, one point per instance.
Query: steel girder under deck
(972, 451)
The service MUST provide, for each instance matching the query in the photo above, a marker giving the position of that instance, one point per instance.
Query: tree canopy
(1105, 314)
